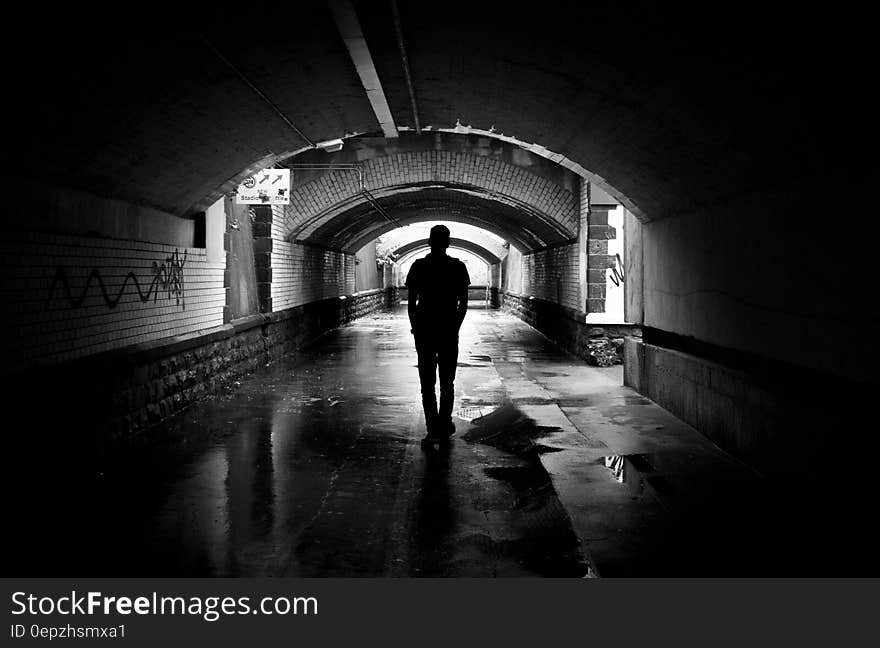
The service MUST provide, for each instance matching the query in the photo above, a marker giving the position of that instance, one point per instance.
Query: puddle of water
(472, 413)
(636, 473)
(522, 478)
(507, 428)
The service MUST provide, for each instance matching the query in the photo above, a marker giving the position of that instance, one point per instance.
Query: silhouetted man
(438, 299)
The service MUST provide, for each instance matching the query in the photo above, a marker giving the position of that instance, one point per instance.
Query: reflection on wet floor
(313, 467)
(310, 468)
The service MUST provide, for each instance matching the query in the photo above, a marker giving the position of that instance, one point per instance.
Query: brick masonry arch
(467, 219)
(351, 229)
(533, 194)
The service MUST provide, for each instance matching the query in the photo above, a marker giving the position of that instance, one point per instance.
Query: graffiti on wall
(166, 282)
(616, 272)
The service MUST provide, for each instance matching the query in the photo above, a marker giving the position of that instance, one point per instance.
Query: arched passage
(534, 200)
(351, 229)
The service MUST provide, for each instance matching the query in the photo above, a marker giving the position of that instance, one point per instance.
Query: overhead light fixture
(331, 146)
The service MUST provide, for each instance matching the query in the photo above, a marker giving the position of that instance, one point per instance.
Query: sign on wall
(267, 187)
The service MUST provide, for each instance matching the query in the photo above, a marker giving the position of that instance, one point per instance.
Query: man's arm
(463, 295)
(462, 304)
(411, 297)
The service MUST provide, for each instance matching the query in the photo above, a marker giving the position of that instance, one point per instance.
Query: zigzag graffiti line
(616, 275)
(167, 277)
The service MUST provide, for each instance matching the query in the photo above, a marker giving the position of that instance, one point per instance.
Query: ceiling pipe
(259, 93)
(366, 193)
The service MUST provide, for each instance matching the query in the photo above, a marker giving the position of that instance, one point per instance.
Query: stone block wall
(567, 328)
(290, 330)
(599, 232)
(107, 400)
(153, 383)
(392, 296)
(774, 417)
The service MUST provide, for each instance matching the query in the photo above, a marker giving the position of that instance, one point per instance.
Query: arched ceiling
(675, 107)
(533, 200)
(451, 155)
(353, 229)
(455, 243)
(348, 230)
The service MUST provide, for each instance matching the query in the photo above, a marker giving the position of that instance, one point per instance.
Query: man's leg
(427, 354)
(447, 360)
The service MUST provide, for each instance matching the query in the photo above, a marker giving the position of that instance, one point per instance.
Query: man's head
(439, 239)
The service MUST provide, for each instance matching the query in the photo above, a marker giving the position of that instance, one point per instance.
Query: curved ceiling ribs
(352, 228)
(491, 187)
(454, 243)
(440, 216)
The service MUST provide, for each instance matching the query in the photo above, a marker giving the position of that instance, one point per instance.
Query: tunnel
(667, 355)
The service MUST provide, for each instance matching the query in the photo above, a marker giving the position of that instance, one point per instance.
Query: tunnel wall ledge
(364, 293)
(598, 344)
(778, 419)
(289, 330)
(152, 350)
(106, 401)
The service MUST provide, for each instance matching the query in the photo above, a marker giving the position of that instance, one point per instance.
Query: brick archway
(350, 230)
(533, 201)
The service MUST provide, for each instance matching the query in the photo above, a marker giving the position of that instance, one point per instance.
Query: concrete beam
(350, 29)
(600, 199)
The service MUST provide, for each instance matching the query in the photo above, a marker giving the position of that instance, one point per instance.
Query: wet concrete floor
(313, 467)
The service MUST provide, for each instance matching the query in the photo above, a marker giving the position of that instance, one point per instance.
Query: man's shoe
(446, 429)
(439, 433)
